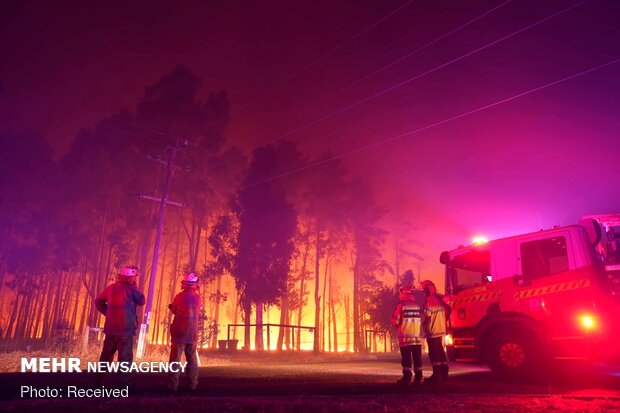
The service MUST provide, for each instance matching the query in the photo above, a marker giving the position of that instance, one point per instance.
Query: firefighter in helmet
(437, 313)
(118, 302)
(184, 330)
(408, 318)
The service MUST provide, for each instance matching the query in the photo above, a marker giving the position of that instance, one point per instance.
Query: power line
(43, 197)
(328, 53)
(135, 125)
(411, 79)
(355, 83)
(408, 55)
(435, 124)
(107, 125)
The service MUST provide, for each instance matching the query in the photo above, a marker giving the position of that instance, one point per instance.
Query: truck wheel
(515, 352)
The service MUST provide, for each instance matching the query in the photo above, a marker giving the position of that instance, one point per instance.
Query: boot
(444, 372)
(418, 377)
(406, 379)
(435, 377)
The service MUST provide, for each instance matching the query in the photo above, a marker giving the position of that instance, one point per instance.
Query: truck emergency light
(588, 322)
(479, 240)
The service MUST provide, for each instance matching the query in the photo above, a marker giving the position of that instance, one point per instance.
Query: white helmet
(190, 279)
(130, 271)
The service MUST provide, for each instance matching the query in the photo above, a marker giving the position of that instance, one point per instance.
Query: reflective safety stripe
(478, 297)
(551, 289)
(411, 313)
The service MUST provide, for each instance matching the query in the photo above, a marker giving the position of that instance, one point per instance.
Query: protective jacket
(117, 302)
(186, 309)
(407, 319)
(437, 313)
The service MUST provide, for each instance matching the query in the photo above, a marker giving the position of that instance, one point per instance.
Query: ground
(325, 383)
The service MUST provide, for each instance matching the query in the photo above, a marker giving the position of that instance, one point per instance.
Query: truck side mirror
(444, 258)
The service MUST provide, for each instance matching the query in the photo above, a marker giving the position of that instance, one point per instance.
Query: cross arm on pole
(157, 199)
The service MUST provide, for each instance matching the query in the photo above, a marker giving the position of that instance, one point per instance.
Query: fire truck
(525, 303)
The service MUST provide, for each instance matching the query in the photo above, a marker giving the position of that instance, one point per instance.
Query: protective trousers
(124, 346)
(438, 359)
(176, 351)
(409, 354)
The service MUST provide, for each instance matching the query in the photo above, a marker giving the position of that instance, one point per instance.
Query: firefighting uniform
(184, 332)
(407, 319)
(437, 312)
(118, 303)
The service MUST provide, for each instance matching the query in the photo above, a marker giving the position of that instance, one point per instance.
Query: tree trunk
(83, 316)
(358, 334)
(259, 327)
(302, 287)
(74, 311)
(13, 317)
(48, 307)
(323, 305)
(216, 316)
(7, 331)
(193, 237)
(235, 319)
(87, 295)
(347, 320)
(317, 296)
(97, 283)
(20, 323)
(247, 310)
(356, 326)
(282, 332)
(55, 320)
(38, 317)
(2, 294)
(332, 314)
(19, 302)
(33, 313)
(66, 301)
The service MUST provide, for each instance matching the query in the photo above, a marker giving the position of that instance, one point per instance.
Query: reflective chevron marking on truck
(478, 297)
(554, 288)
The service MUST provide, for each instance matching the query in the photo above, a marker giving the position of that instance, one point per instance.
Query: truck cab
(523, 303)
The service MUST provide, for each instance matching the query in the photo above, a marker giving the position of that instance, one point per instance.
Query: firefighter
(437, 313)
(118, 302)
(408, 318)
(184, 330)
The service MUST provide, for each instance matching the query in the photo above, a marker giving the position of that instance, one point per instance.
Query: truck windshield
(607, 254)
(470, 269)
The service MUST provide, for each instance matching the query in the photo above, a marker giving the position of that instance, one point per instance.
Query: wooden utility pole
(163, 201)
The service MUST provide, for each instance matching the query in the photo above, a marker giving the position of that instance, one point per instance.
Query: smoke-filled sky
(302, 70)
